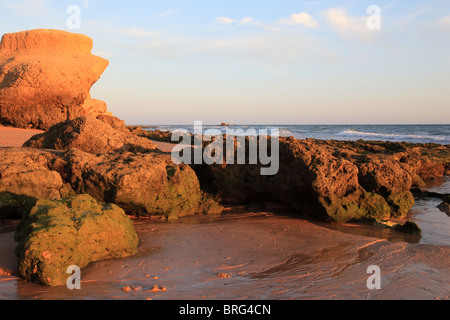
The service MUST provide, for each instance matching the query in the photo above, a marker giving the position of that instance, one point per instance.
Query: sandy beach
(15, 137)
(261, 255)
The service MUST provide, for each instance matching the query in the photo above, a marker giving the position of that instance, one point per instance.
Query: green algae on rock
(409, 227)
(333, 180)
(445, 205)
(75, 231)
(143, 184)
(13, 206)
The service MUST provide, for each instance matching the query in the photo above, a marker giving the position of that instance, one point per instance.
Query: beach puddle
(434, 223)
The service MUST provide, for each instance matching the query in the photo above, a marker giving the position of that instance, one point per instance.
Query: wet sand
(261, 255)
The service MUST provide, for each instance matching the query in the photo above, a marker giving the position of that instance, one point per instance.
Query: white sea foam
(355, 133)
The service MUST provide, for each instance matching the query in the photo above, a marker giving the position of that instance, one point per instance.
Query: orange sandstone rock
(45, 78)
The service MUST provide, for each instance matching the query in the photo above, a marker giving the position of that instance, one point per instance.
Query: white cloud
(444, 22)
(353, 28)
(165, 14)
(106, 27)
(225, 20)
(271, 49)
(301, 18)
(249, 21)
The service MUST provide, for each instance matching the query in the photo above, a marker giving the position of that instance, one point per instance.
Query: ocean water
(439, 134)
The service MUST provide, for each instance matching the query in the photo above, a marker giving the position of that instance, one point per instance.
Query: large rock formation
(341, 181)
(141, 183)
(25, 176)
(57, 234)
(45, 78)
(26, 172)
(90, 134)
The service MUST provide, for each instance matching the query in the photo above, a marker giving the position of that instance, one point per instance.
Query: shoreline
(289, 258)
(421, 134)
(16, 137)
(292, 258)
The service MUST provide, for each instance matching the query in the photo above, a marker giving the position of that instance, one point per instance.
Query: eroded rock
(91, 135)
(45, 78)
(77, 231)
(26, 172)
(336, 180)
(143, 183)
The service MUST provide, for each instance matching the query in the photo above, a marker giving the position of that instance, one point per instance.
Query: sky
(260, 61)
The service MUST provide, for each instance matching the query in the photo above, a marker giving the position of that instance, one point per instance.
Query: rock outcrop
(90, 134)
(143, 184)
(155, 135)
(45, 78)
(114, 122)
(13, 206)
(341, 181)
(26, 172)
(445, 205)
(57, 234)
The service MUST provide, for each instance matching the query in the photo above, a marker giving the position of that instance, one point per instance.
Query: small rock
(224, 275)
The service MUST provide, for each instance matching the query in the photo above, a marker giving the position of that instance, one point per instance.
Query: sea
(439, 134)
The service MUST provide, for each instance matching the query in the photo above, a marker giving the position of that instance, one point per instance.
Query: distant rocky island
(88, 161)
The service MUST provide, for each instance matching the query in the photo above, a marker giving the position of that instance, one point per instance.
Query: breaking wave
(391, 136)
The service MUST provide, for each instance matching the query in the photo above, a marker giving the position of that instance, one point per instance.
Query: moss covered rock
(447, 200)
(409, 227)
(142, 184)
(445, 205)
(310, 179)
(401, 203)
(76, 231)
(14, 206)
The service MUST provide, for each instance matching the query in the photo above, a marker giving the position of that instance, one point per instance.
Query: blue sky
(261, 61)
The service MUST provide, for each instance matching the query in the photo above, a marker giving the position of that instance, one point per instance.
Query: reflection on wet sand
(265, 255)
